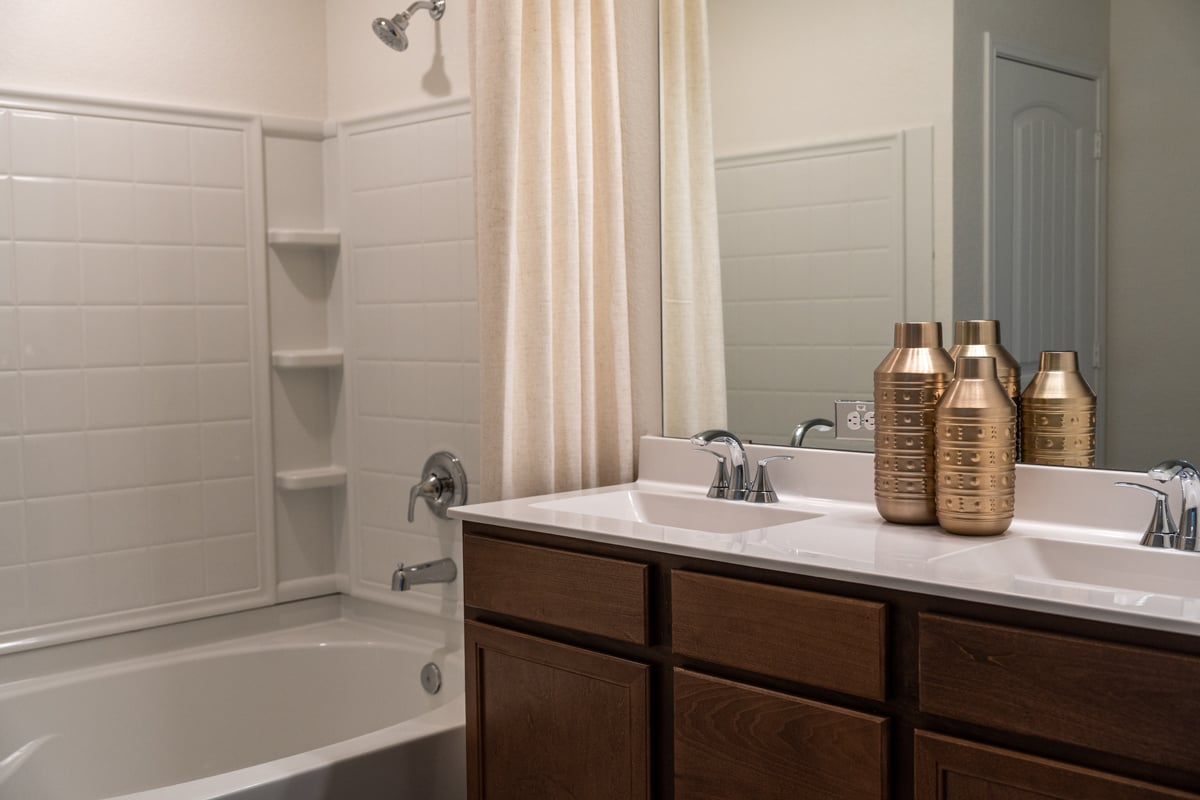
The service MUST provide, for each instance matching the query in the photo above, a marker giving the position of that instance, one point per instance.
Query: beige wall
(1154, 241)
(365, 77)
(1075, 29)
(797, 72)
(263, 57)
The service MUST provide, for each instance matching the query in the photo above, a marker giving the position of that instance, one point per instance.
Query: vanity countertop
(1072, 549)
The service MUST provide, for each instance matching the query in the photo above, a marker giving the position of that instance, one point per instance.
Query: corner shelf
(296, 480)
(301, 237)
(315, 358)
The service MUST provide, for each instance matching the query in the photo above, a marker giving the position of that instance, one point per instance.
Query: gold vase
(1059, 424)
(976, 435)
(981, 337)
(908, 383)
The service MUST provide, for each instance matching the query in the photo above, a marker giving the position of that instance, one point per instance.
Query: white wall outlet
(854, 419)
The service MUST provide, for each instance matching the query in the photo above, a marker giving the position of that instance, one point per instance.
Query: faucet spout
(818, 424)
(1189, 485)
(441, 571)
(737, 459)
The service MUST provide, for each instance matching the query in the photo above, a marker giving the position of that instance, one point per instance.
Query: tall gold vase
(976, 436)
(981, 337)
(908, 384)
(1059, 423)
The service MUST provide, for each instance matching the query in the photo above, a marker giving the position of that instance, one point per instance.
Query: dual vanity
(648, 641)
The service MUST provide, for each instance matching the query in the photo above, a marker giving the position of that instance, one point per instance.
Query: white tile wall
(127, 439)
(812, 276)
(414, 351)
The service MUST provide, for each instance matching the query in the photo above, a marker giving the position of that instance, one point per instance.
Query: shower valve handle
(443, 487)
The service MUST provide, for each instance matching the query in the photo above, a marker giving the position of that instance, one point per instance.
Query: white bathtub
(318, 699)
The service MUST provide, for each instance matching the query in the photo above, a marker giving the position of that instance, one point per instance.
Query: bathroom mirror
(821, 98)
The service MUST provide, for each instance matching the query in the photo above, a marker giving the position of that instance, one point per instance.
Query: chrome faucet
(816, 424)
(737, 461)
(1189, 485)
(441, 571)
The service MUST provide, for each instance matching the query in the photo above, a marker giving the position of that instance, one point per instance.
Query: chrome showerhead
(392, 31)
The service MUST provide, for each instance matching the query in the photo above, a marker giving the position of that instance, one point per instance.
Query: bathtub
(316, 699)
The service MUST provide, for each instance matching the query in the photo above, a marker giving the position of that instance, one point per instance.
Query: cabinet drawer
(818, 639)
(605, 596)
(952, 769)
(733, 740)
(1119, 699)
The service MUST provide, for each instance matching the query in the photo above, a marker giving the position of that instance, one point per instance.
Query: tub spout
(441, 571)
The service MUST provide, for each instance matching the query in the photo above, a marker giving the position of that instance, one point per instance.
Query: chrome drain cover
(431, 678)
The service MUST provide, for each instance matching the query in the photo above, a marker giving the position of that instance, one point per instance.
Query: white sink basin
(1025, 563)
(678, 511)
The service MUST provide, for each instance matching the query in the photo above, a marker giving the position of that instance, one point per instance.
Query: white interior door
(1044, 269)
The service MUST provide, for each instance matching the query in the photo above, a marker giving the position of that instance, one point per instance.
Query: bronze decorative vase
(908, 383)
(981, 337)
(1059, 423)
(976, 436)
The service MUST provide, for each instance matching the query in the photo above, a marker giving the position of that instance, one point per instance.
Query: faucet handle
(443, 486)
(1161, 531)
(761, 491)
(720, 481)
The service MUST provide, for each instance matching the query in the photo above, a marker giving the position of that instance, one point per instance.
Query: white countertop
(1115, 580)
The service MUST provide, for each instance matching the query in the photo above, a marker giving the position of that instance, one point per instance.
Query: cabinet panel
(733, 740)
(605, 596)
(548, 720)
(1128, 700)
(819, 639)
(952, 769)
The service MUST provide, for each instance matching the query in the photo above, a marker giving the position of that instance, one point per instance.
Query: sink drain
(431, 678)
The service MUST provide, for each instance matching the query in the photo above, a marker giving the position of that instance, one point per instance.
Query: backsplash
(131, 440)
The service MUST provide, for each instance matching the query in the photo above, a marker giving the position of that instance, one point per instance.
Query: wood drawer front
(1131, 701)
(953, 769)
(605, 596)
(817, 639)
(733, 740)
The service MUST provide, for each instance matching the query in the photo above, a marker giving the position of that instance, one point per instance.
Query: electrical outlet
(854, 419)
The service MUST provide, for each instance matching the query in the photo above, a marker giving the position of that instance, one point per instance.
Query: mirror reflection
(831, 168)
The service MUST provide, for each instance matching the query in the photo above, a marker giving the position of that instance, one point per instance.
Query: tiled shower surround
(129, 465)
(410, 223)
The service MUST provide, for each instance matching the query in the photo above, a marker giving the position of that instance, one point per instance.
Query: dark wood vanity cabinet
(598, 671)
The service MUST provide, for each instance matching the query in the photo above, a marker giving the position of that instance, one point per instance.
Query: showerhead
(392, 31)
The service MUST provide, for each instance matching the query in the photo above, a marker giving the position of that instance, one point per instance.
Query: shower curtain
(558, 313)
(693, 323)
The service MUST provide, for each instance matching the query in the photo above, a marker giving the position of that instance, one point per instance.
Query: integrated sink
(678, 511)
(1032, 565)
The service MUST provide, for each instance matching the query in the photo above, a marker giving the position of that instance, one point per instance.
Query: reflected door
(1044, 278)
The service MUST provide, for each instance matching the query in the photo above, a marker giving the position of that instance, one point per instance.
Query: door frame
(996, 47)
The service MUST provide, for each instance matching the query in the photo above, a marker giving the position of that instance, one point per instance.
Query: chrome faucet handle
(1189, 486)
(443, 486)
(737, 459)
(720, 481)
(1161, 531)
(761, 491)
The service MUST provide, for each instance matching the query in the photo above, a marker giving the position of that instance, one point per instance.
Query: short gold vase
(908, 383)
(1059, 423)
(975, 447)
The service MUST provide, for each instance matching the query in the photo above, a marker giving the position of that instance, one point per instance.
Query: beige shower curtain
(555, 299)
(693, 323)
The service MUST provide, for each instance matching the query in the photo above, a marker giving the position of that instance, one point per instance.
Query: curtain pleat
(693, 322)
(556, 362)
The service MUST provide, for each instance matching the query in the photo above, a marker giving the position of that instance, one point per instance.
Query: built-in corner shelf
(295, 480)
(301, 237)
(314, 358)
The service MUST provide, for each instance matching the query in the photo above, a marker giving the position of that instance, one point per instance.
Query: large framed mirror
(831, 168)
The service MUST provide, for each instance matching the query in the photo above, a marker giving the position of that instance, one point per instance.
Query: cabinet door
(952, 769)
(739, 741)
(545, 720)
